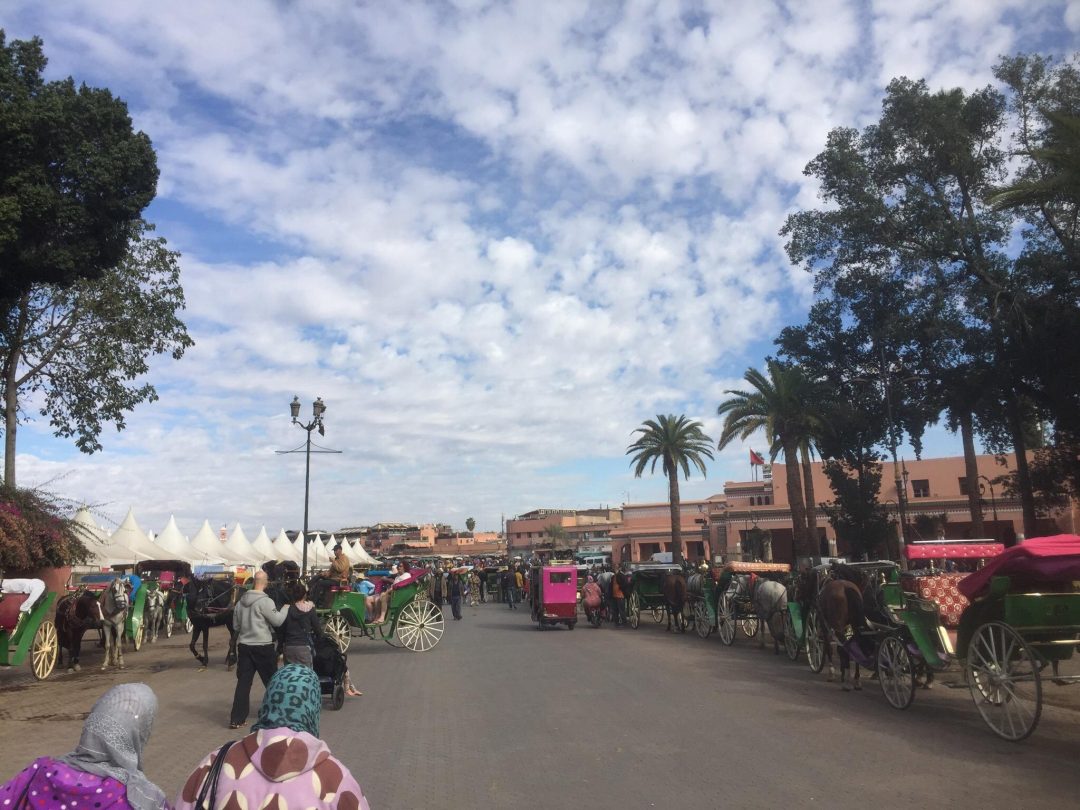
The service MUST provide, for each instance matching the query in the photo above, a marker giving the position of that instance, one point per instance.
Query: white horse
(154, 612)
(114, 605)
(769, 599)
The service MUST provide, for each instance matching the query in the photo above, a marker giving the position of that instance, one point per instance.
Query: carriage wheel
(137, 639)
(188, 626)
(657, 613)
(338, 629)
(749, 626)
(44, 650)
(420, 625)
(725, 620)
(1004, 679)
(791, 641)
(169, 620)
(702, 624)
(633, 610)
(815, 644)
(896, 673)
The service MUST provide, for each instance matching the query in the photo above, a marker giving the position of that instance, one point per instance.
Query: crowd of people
(105, 770)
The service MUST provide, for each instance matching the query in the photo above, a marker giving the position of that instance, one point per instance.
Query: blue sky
(494, 237)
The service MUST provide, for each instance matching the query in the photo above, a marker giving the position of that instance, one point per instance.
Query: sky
(494, 237)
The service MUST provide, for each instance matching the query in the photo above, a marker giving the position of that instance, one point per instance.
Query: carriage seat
(9, 610)
(942, 590)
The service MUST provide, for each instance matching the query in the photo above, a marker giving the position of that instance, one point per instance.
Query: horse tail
(856, 610)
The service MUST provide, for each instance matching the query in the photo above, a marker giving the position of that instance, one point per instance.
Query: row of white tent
(130, 544)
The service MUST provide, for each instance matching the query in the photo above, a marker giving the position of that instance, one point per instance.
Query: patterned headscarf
(292, 700)
(113, 739)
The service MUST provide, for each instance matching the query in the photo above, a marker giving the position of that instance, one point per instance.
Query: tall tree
(74, 176)
(905, 202)
(470, 524)
(677, 443)
(83, 349)
(782, 405)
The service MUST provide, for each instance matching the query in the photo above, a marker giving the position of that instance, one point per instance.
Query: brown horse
(840, 604)
(75, 614)
(673, 586)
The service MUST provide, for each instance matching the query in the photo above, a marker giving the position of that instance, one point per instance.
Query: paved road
(500, 715)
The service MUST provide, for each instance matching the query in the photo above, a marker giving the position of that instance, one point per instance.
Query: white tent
(317, 556)
(129, 544)
(239, 545)
(206, 544)
(173, 544)
(93, 537)
(284, 548)
(263, 547)
(361, 555)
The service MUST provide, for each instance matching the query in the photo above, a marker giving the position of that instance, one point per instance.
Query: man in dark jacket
(453, 591)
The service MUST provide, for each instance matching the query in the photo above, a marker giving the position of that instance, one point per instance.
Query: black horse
(210, 603)
(75, 614)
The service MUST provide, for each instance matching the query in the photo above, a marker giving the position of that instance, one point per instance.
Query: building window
(768, 500)
(920, 488)
(963, 485)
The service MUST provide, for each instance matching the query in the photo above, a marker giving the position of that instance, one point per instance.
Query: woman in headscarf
(106, 769)
(282, 762)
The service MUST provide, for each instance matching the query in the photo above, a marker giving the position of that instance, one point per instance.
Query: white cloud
(493, 236)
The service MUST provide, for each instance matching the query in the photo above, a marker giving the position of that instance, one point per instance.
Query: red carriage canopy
(1038, 561)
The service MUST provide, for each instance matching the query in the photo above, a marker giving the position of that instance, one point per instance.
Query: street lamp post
(993, 500)
(318, 408)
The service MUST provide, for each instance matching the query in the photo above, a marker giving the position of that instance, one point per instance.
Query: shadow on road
(506, 627)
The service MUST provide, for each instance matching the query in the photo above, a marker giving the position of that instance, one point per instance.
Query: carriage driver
(340, 566)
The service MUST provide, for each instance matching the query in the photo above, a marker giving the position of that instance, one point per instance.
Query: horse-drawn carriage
(31, 632)
(646, 591)
(744, 602)
(412, 620)
(167, 578)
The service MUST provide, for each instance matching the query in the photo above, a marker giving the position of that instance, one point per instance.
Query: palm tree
(781, 404)
(677, 442)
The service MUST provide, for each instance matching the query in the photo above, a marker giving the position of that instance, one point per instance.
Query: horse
(154, 613)
(114, 604)
(75, 614)
(210, 604)
(769, 601)
(673, 586)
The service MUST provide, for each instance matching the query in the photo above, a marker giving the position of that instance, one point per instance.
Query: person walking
(254, 620)
(618, 596)
(437, 586)
(453, 591)
(518, 583)
(508, 588)
(301, 628)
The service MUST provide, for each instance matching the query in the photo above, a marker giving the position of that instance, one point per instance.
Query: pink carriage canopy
(1038, 561)
(952, 551)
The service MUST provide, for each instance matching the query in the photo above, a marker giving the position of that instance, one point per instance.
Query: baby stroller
(330, 665)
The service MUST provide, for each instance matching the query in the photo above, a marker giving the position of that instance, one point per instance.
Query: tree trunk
(11, 392)
(971, 473)
(812, 538)
(676, 522)
(1023, 475)
(795, 499)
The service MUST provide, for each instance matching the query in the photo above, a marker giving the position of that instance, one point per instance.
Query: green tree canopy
(677, 443)
(74, 175)
(83, 350)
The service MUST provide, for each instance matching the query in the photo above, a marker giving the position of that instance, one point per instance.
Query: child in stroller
(332, 667)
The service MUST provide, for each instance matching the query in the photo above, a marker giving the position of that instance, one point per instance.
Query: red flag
(756, 459)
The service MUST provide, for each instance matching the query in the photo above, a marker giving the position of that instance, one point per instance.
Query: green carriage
(646, 591)
(412, 620)
(168, 576)
(31, 635)
(734, 600)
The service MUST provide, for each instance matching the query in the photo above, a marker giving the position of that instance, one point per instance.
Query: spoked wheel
(702, 623)
(188, 626)
(725, 620)
(633, 610)
(1003, 676)
(657, 613)
(140, 633)
(44, 650)
(896, 673)
(170, 618)
(791, 641)
(420, 625)
(749, 626)
(338, 629)
(815, 644)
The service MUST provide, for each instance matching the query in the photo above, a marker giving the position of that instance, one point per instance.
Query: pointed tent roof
(347, 547)
(206, 544)
(93, 537)
(239, 545)
(363, 558)
(128, 543)
(317, 556)
(263, 546)
(174, 545)
(283, 547)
